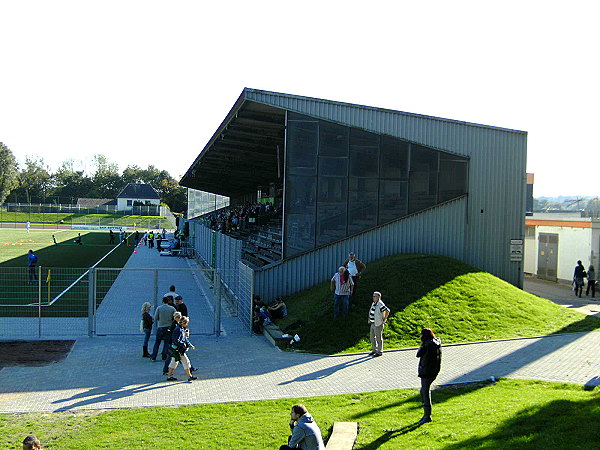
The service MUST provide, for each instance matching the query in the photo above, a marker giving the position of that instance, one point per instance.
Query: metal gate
(548, 256)
(117, 296)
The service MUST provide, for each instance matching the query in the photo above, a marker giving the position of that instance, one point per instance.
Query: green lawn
(52, 220)
(65, 261)
(510, 414)
(459, 302)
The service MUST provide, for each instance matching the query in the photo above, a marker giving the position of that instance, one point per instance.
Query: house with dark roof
(83, 202)
(137, 194)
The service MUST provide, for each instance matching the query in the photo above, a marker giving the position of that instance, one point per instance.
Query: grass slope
(510, 414)
(459, 302)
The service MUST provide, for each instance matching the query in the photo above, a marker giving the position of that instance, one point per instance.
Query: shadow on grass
(559, 424)
(391, 434)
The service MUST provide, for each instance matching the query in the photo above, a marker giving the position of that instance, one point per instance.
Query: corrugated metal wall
(497, 175)
(439, 230)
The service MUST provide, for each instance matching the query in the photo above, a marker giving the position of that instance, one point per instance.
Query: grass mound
(459, 302)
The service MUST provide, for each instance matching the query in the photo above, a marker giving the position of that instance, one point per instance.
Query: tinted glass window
(454, 174)
(301, 148)
(333, 167)
(362, 204)
(394, 158)
(422, 191)
(393, 200)
(364, 154)
(333, 139)
(300, 234)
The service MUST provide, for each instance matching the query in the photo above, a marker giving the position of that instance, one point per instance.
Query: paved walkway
(108, 372)
(563, 294)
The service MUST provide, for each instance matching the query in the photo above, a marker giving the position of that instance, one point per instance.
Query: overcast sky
(148, 82)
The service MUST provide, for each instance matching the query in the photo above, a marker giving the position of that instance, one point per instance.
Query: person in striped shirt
(342, 287)
(378, 315)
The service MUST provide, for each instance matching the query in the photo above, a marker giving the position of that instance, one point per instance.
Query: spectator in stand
(147, 323)
(180, 345)
(341, 285)
(355, 267)
(31, 443)
(430, 354)
(306, 434)
(180, 306)
(164, 316)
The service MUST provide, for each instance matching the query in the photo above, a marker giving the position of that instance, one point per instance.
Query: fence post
(39, 301)
(217, 293)
(91, 300)
(251, 297)
(155, 289)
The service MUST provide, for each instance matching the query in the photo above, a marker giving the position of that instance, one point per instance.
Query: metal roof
(242, 153)
(139, 190)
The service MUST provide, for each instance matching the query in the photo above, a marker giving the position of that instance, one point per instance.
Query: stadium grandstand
(298, 182)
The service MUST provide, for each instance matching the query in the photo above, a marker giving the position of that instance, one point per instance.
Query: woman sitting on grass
(180, 345)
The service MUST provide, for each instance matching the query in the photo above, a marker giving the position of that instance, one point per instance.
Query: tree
(106, 179)
(71, 184)
(34, 181)
(9, 174)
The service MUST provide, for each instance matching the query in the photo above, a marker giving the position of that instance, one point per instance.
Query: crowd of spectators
(244, 217)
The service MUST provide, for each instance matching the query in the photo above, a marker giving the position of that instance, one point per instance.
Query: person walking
(378, 316)
(578, 277)
(306, 434)
(180, 344)
(430, 354)
(111, 237)
(355, 267)
(158, 242)
(147, 323)
(136, 237)
(176, 318)
(163, 316)
(591, 281)
(341, 285)
(27, 225)
(32, 261)
(145, 238)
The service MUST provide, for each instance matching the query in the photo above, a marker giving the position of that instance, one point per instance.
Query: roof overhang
(242, 154)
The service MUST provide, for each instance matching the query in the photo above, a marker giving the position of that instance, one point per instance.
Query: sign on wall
(516, 250)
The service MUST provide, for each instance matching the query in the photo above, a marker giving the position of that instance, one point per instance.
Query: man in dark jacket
(305, 432)
(430, 354)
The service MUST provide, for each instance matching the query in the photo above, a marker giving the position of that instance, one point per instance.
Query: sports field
(60, 265)
(53, 220)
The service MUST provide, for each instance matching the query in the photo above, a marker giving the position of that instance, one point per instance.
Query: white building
(555, 242)
(137, 195)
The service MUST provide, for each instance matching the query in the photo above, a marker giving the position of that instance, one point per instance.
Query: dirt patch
(33, 353)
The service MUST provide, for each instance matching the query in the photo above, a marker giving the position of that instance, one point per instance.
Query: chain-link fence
(105, 301)
(16, 215)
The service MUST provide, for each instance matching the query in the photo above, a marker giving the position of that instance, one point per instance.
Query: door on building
(547, 256)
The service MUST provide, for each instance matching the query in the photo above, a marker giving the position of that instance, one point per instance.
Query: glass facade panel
(454, 173)
(394, 158)
(341, 181)
(302, 144)
(333, 139)
(393, 200)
